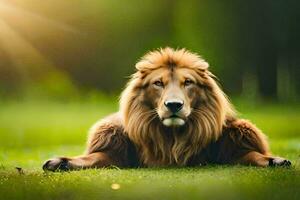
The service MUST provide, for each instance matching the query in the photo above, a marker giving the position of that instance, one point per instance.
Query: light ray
(11, 10)
(28, 60)
(23, 55)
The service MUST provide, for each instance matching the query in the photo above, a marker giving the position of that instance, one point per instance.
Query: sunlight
(23, 54)
(19, 14)
(20, 51)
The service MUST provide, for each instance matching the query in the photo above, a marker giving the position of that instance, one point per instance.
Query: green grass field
(31, 132)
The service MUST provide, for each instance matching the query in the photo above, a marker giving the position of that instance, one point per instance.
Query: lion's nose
(174, 105)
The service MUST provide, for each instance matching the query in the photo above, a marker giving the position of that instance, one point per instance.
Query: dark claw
(274, 162)
(64, 165)
(46, 165)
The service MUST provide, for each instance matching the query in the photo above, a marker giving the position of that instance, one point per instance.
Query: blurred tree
(252, 46)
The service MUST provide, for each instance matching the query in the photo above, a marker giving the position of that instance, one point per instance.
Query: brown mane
(157, 144)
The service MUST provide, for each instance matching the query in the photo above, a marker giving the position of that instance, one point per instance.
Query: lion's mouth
(173, 120)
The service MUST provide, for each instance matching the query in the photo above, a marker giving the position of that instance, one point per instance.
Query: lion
(172, 113)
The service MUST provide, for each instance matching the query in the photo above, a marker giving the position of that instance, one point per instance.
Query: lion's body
(172, 113)
(238, 138)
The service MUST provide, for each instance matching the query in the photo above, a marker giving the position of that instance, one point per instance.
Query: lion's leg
(258, 159)
(243, 143)
(93, 160)
(107, 145)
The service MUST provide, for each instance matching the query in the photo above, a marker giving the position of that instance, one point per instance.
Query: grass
(31, 132)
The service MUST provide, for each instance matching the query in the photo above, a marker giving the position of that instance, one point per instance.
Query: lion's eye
(188, 82)
(159, 83)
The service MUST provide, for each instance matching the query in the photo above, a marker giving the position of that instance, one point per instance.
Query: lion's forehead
(167, 75)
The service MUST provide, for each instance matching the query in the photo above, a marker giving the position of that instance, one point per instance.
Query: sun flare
(16, 24)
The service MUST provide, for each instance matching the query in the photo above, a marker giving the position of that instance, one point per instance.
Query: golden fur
(209, 131)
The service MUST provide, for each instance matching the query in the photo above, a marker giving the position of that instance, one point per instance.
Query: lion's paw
(277, 161)
(56, 164)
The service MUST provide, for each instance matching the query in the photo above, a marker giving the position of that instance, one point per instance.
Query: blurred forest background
(69, 49)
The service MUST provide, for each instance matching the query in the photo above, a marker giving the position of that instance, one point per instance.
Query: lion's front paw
(56, 164)
(277, 161)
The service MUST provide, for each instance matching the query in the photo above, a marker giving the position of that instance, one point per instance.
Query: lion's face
(174, 93)
(172, 107)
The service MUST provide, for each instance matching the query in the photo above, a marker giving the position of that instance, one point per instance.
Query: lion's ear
(142, 66)
(200, 63)
(204, 64)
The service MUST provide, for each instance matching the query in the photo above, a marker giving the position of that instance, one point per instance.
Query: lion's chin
(173, 121)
